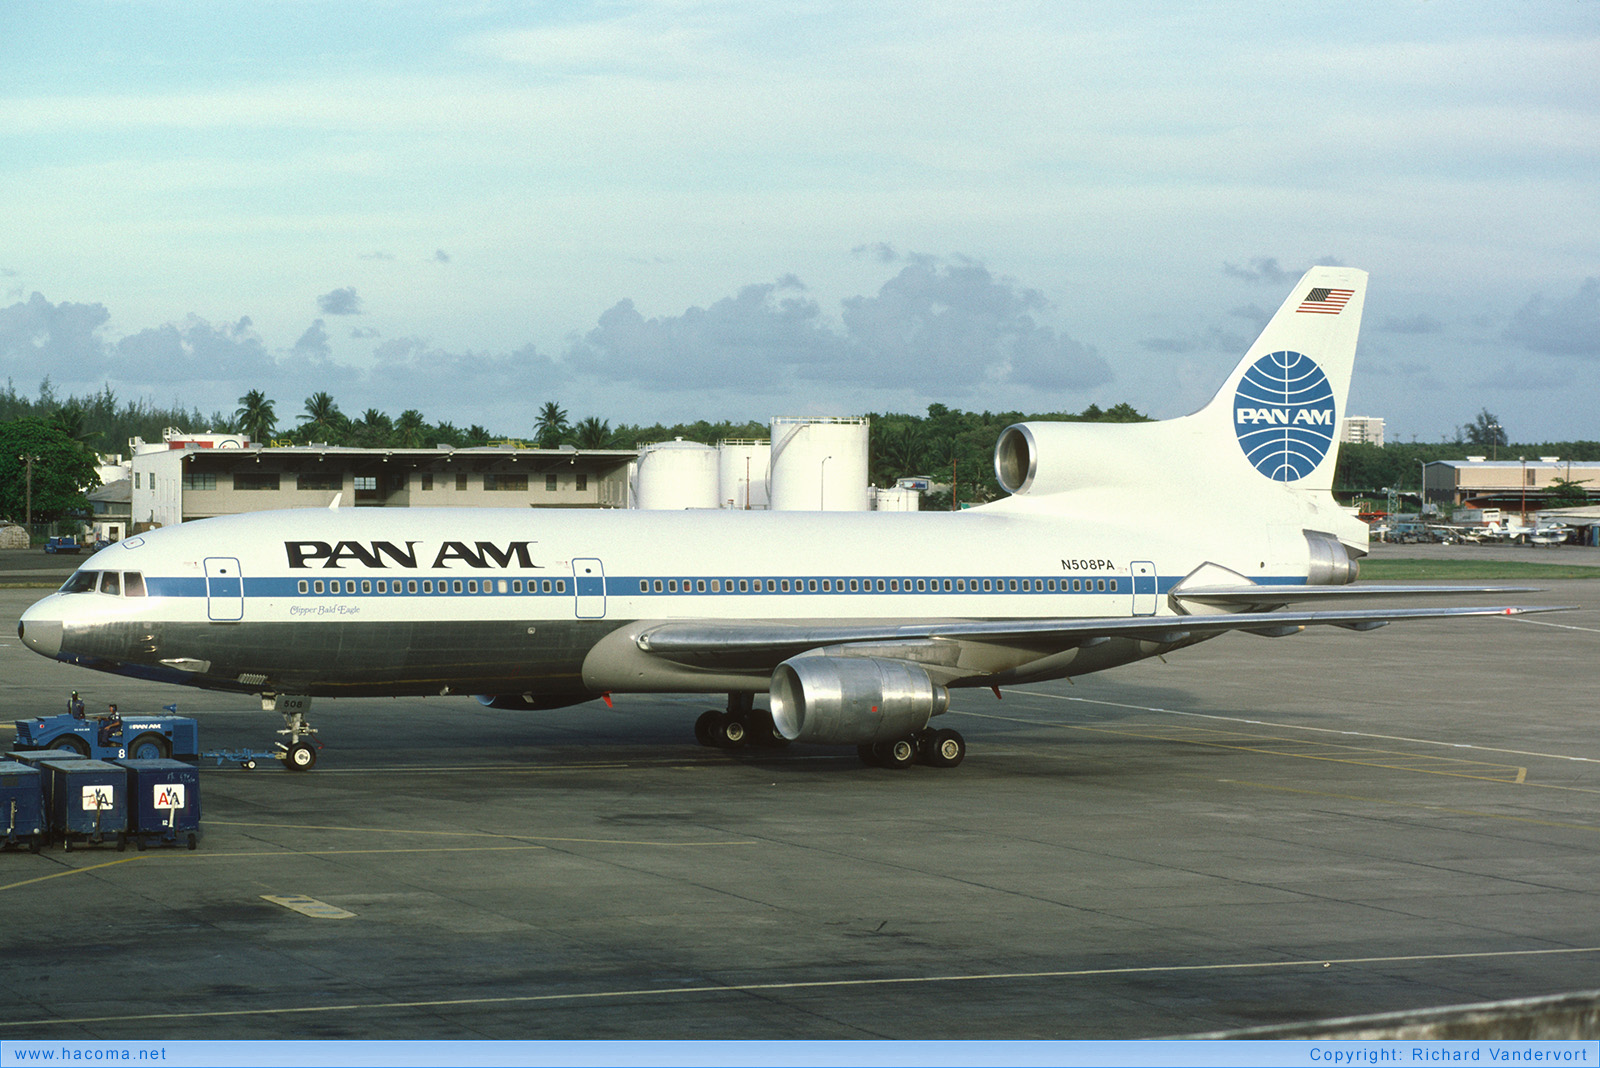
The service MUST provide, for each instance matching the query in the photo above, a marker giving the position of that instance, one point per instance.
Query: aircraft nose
(40, 634)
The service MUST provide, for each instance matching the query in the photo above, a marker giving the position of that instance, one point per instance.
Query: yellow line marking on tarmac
(70, 871)
(816, 984)
(473, 834)
(1446, 809)
(1280, 726)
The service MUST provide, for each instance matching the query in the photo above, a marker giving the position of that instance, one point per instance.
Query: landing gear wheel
(705, 728)
(301, 757)
(901, 753)
(945, 748)
(732, 731)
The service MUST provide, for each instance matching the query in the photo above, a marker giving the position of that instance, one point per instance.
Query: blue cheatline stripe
(679, 586)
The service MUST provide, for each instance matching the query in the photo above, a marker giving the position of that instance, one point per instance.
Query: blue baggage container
(33, 757)
(85, 801)
(21, 806)
(163, 801)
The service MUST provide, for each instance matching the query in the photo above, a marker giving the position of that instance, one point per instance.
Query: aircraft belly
(338, 658)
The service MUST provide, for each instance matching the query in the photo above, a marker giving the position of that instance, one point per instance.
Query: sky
(726, 210)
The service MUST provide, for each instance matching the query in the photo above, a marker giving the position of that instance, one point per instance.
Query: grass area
(1475, 570)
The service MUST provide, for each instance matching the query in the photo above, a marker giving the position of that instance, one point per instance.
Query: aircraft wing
(706, 642)
(1263, 596)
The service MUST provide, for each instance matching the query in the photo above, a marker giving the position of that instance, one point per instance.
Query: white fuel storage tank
(819, 464)
(742, 468)
(674, 475)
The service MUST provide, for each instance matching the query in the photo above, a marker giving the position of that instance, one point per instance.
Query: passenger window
(716, 585)
(427, 585)
(472, 585)
(411, 585)
(827, 586)
(880, 585)
(658, 585)
(383, 586)
(316, 587)
(771, 585)
(946, 585)
(561, 585)
(81, 582)
(744, 586)
(1100, 585)
(672, 585)
(516, 585)
(644, 585)
(455, 585)
(922, 586)
(811, 585)
(305, 587)
(544, 586)
(699, 585)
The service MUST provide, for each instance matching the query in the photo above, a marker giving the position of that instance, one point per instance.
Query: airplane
(1117, 542)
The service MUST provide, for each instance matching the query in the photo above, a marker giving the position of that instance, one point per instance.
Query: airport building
(1510, 485)
(190, 478)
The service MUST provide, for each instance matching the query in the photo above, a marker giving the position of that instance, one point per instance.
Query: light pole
(1422, 494)
(822, 485)
(27, 464)
(1494, 441)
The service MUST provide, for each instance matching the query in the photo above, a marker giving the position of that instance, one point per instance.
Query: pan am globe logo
(1283, 415)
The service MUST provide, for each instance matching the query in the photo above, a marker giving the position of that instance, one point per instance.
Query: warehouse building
(1521, 485)
(191, 477)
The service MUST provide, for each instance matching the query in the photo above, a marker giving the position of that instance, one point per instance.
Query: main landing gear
(741, 724)
(936, 748)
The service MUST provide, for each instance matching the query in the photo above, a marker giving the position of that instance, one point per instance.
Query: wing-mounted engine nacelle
(847, 700)
(532, 702)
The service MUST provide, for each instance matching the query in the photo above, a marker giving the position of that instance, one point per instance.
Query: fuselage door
(1144, 587)
(589, 589)
(224, 590)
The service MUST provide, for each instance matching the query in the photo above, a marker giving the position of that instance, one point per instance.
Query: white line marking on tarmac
(818, 984)
(1278, 726)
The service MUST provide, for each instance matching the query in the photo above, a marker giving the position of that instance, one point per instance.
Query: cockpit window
(132, 584)
(81, 582)
(111, 582)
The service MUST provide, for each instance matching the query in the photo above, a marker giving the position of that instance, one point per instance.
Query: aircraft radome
(1117, 542)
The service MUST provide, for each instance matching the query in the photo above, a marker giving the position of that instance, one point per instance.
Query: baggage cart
(85, 801)
(163, 802)
(21, 806)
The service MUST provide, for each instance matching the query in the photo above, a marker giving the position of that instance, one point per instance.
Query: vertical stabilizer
(1284, 402)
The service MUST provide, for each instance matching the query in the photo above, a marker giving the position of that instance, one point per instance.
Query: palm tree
(373, 430)
(592, 433)
(411, 429)
(256, 417)
(551, 426)
(322, 419)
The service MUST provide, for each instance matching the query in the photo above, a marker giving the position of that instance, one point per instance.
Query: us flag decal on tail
(1325, 301)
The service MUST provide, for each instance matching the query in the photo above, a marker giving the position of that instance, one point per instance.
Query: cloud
(1569, 327)
(39, 338)
(340, 302)
(955, 326)
(313, 344)
(1262, 269)
(190, 352)
(440, 256)
(748, 341)
(946, 329)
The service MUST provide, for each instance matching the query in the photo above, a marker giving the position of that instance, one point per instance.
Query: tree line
(951, 447)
